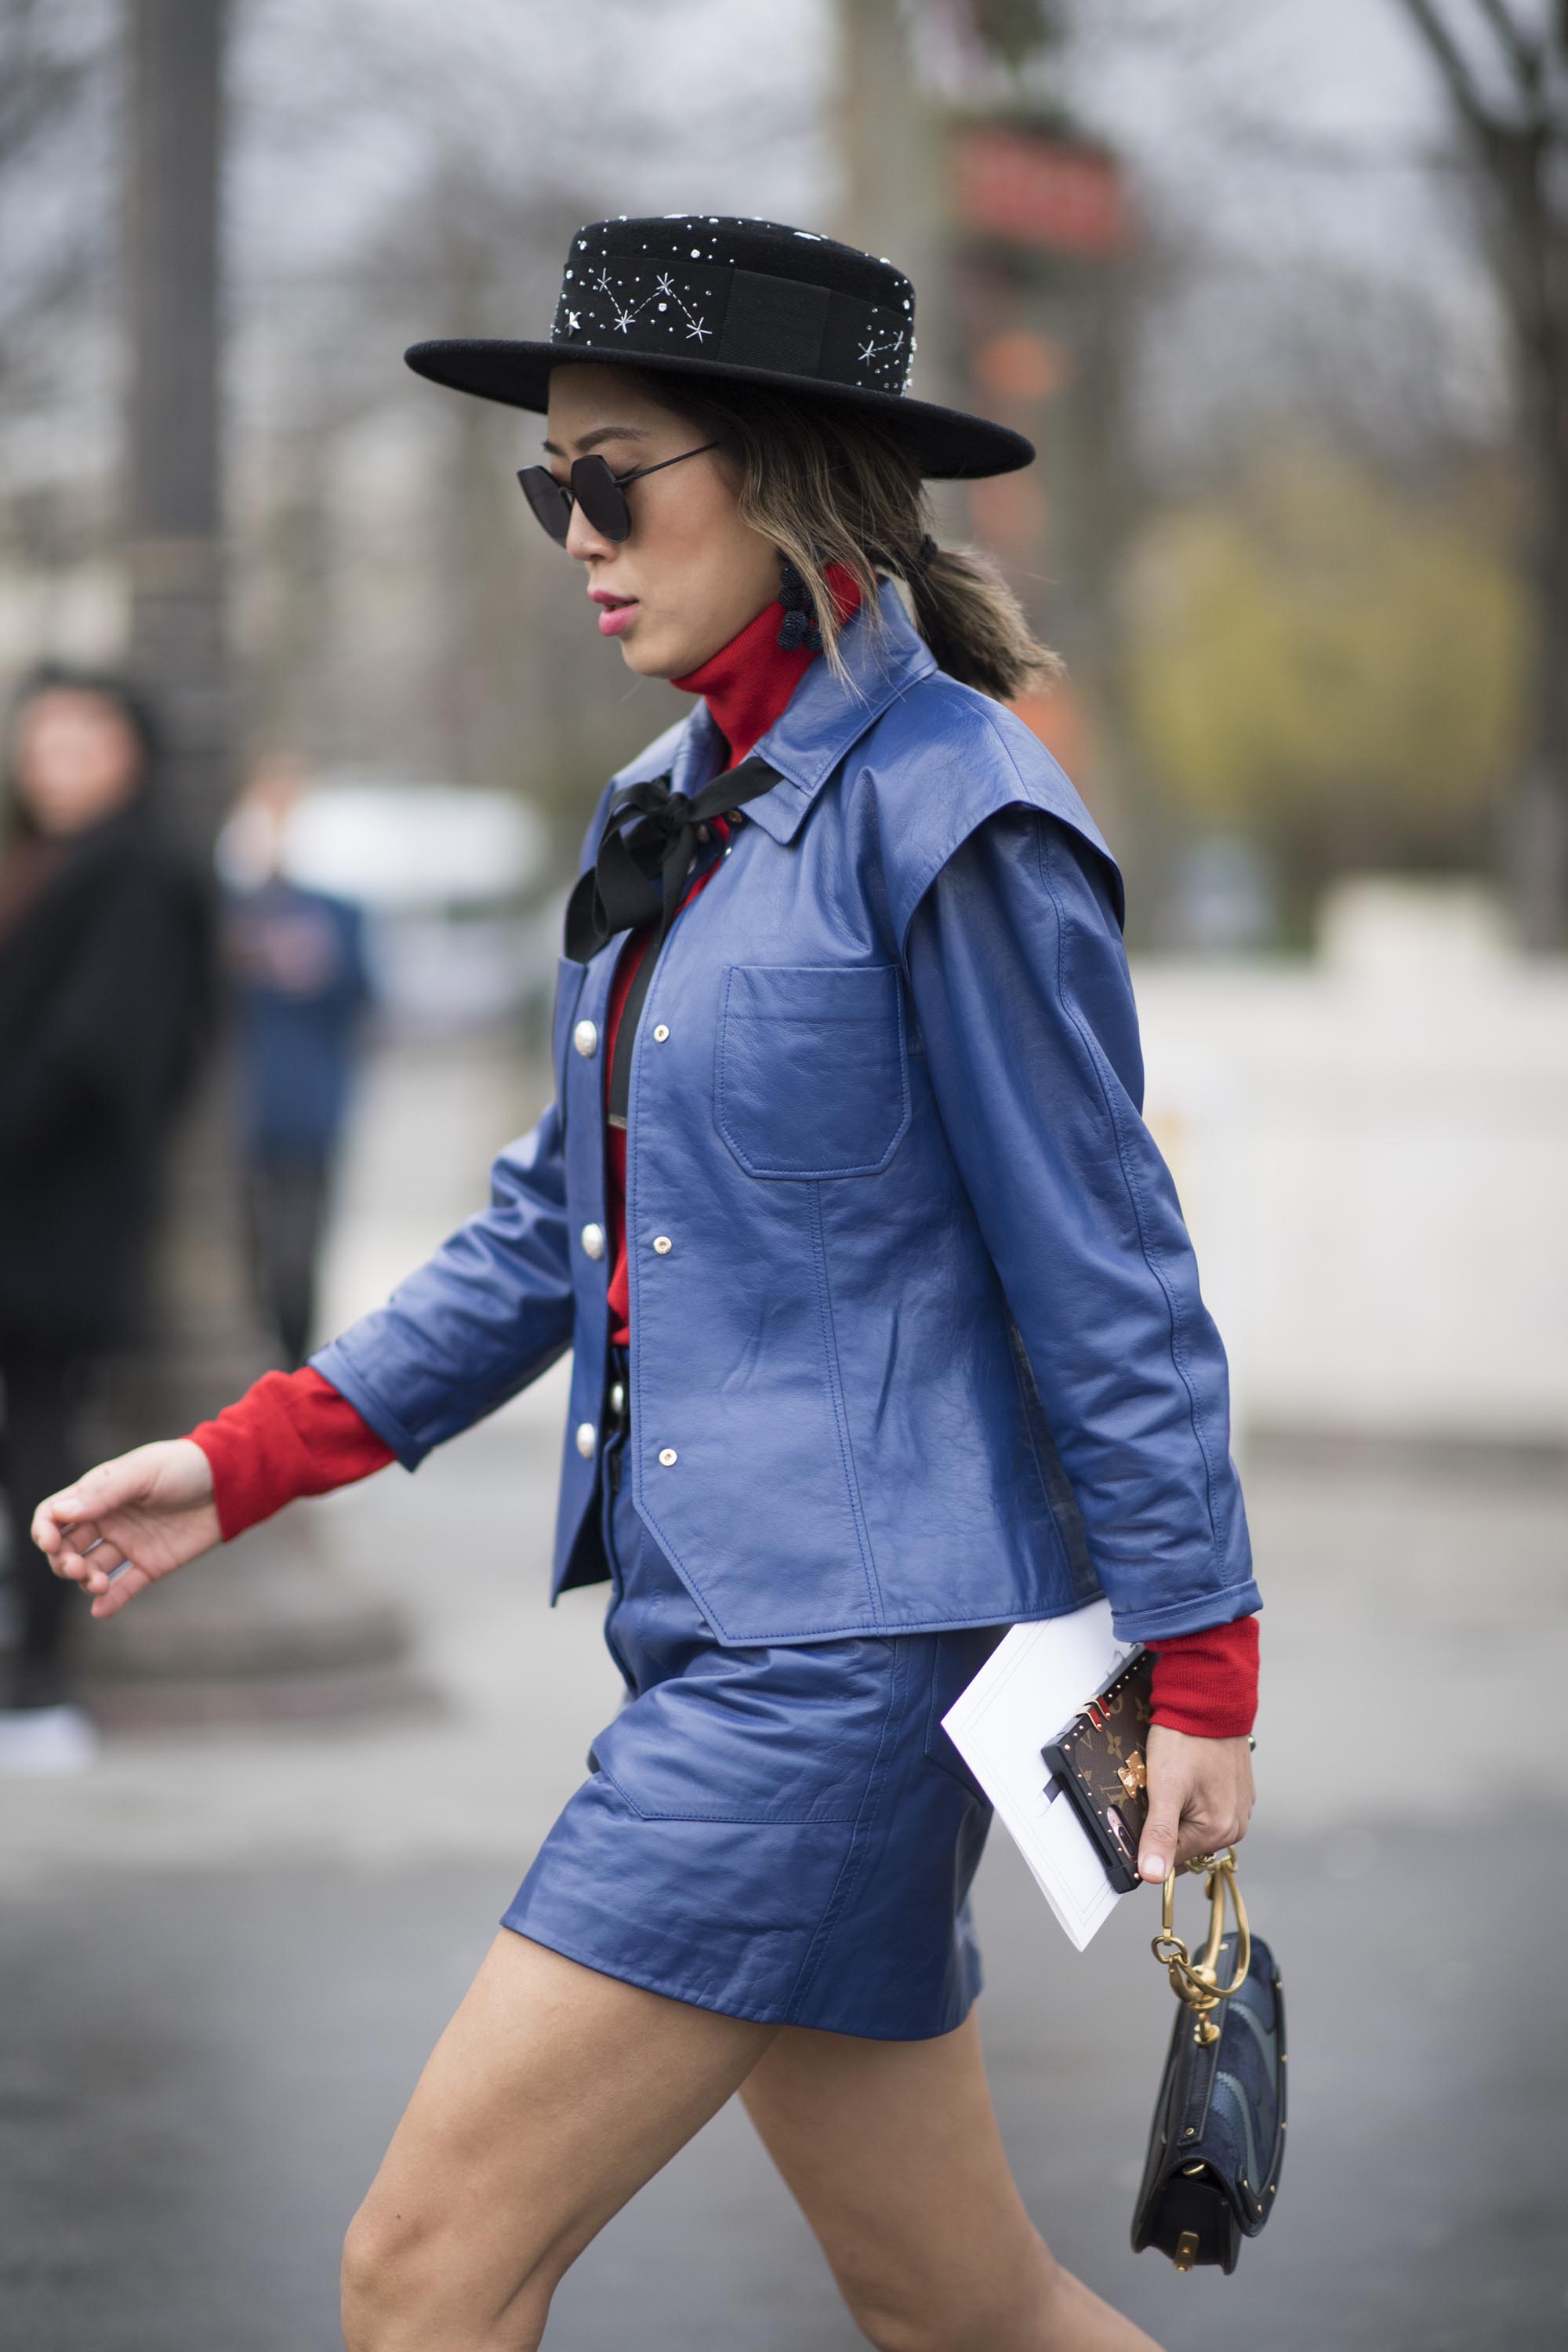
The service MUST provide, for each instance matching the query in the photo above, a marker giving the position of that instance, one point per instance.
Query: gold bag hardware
(1197, 1982)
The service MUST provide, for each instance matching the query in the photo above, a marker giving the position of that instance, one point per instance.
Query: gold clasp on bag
(1197, 1982)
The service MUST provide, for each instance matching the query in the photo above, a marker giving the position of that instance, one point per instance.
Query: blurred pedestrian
(885, 1331)
(296, 960)
(104, 990)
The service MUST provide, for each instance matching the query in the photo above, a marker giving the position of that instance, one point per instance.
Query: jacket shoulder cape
(940, 761)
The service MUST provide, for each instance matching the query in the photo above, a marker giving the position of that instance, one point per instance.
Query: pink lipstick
(616, 612)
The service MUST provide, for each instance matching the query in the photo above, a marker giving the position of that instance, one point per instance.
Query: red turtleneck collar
(747, 684)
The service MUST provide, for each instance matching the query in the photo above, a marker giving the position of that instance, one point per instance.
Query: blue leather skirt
(783, 1834)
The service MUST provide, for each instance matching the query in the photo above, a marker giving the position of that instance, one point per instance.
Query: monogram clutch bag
(1100, 1763)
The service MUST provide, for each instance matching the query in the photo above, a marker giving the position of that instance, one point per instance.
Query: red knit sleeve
(291, 1434)
(1206, 1683)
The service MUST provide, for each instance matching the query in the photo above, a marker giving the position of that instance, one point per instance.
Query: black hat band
(735, 318)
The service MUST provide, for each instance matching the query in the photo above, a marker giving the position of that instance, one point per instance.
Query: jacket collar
(822, 722)
(825, 720)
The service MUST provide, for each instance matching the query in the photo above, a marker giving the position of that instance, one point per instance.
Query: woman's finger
(127, 1581)
(105, 1560)
(109, 1486)
(98, 1570)
(92, 1559)
(1157, 1848)
(72, 1557)
(52, 1523)
(1201, 1833)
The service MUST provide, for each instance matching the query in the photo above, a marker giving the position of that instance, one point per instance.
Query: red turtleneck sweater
(294, 1433)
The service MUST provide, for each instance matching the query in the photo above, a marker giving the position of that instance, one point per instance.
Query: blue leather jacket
(917, 1340)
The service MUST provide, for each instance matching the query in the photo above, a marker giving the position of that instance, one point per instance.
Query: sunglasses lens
(551, 502)
(602, 499)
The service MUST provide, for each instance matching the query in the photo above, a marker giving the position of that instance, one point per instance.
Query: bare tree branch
(37, 83)
(1451, 64)
(1526, 57)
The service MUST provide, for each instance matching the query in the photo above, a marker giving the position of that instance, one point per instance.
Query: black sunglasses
(591, 485)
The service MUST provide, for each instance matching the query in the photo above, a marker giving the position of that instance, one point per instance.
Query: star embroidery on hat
(697, 330)
(665, 283)
(623, 319)
(571, 322)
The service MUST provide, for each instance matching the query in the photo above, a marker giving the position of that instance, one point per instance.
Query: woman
(884, 1325)
(103, 954)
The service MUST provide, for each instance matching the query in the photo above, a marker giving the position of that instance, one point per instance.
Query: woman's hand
(152, 1509)
(1200, 1798)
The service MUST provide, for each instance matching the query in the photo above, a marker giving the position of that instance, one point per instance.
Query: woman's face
(691, 573)
(76, 759)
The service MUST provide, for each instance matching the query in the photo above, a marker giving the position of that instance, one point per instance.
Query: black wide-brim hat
(743, 301)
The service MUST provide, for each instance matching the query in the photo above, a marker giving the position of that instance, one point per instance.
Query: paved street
(225, 1953)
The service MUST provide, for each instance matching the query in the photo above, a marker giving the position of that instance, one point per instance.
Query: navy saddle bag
(1218, 2134)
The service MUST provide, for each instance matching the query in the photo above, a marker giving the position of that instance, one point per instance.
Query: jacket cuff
(1156, 1627)
(1205, 1683)
(335, 1365)
(291, 1434)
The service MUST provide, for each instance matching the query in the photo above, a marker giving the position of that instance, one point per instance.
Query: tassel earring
(799, 625)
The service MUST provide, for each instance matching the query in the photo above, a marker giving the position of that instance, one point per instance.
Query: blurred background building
(1281, 289)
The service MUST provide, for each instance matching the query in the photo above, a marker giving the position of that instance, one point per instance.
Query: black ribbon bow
(647, 851)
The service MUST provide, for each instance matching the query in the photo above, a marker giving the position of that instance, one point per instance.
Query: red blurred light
(1017, 185)
(1021, 366)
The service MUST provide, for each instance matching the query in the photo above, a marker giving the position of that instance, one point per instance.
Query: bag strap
(1197, 1982)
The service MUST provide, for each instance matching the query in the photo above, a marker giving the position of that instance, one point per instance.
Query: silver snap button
(587, 1438)
(592, 1240)
(586, 1038)
(660, 1032)
(617, 1398)
(663, 1245)
(668, 1456)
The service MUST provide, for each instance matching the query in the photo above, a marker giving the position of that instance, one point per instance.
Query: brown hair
(829, 484)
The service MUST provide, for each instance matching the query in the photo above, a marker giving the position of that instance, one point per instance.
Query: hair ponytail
(975, 625)
(832, 485)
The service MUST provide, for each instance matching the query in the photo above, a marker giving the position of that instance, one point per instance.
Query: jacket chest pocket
(813, 1076)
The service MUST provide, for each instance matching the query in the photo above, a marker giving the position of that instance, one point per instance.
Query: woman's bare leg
(892, 2152)
(551, 2096)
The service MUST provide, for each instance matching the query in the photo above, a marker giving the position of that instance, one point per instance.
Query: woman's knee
(893, 2326)
(1001, 2312)
(385, 2257)
(407, 2285)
